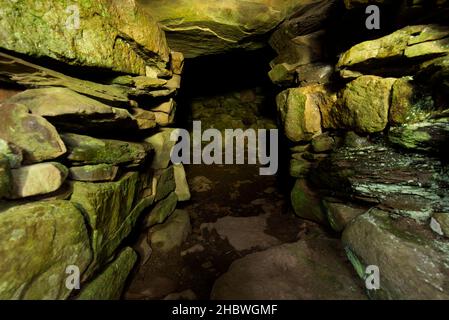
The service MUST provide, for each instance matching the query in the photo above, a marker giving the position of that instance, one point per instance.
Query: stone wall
(368, 136)
(83, 164)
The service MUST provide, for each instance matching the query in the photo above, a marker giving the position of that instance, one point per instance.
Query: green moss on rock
(118, 36)
(38, 241)
(109, 284)
(38, 139)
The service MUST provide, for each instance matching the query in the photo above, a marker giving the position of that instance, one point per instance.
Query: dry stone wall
(81, 162)
(368, 135)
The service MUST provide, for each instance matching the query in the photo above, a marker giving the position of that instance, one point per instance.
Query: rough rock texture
(38, 241)
(163, 183)
(12, 153)
(162, 145)
(308, 269)
(364, 104)
(162, 210)
(88, 150)
(5, 177)
(112, 209)
(37, 179)
(340, 214)
(429, 136)
(99, 172)
(209, 27)
(412, 185)
(182, 187)
(113, 35)
(306, 203)
(38, 139)
(243, 233)
(299, 109)
(172, 233)
(403, 251)
(382, 55)
(109, 284)
(409, 102)
(72, 111)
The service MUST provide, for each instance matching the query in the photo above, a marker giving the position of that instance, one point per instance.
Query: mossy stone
(112, 209)
(37, 137)
(116, 36)
(306, 203)
(88, 150)
(109, 284)
(38, 241)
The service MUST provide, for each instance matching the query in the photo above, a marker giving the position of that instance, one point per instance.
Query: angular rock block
(410, 103)
(161, 211)
(38, 241)
(413, 263)
(299, 110)
(364, 105)
(87, 150)
(38, 139)
(162, 148)
(163, 183)
(71, 111)
(109, 284)
(402, 46)
(94, 173)
(307, 203)
(37, 179)
(112, 209)
(340, 214)
(182, 187)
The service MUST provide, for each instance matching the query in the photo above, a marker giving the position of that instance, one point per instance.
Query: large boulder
(38, 241)
(115, 35)
(309, 269)
(413, 263)
(38, 139)
(202, 27)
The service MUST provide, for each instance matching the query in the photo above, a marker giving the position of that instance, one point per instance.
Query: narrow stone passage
(234, 212)
(224, 150)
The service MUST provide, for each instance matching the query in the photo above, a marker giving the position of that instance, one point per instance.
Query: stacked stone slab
(368, 147)
(82, 163)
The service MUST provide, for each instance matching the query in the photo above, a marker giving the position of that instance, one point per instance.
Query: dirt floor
(234, 211)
